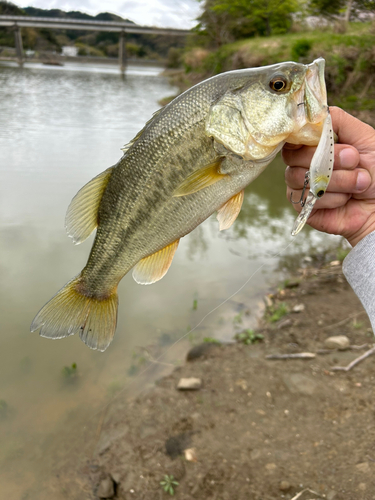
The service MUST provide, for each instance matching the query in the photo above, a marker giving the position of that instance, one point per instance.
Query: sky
(162, 13)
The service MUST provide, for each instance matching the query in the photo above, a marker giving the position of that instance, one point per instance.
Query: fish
(319, 173)
(194, 157)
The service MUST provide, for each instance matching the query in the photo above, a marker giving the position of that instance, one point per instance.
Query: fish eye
(320, 193)
(279, 83)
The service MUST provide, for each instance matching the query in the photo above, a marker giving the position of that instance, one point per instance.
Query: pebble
(284, 486)
(335, 263)
(298, 308)
(284, 324)
(363, 467)
(340, 342)
(106, 488)
(189, 384)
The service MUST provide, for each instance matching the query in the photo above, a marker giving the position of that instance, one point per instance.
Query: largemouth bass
(194, 157)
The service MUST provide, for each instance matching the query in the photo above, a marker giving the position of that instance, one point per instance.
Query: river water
(59, 127)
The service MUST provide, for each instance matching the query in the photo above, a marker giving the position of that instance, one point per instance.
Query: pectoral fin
(82, 215)
(155, 266)
(228, 213)
(200, 179)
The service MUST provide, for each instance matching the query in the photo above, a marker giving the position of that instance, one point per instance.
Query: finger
(295, 177)
(350, 130)
(298, 157)
(346, 157)
(342, 181)
(287, 145)
(329, 200)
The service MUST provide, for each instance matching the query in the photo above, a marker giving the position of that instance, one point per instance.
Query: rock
(284, 486)
(176, 445)
(298, 383)
(189, 384)
(106, 488)
(335, 263)
(307, 259)
(331, 495)
(284, 324)
(363, 467)
(201, 350)
(292, 284)
(268, 300)
(271, 467)
(298, 308)
(340, 342)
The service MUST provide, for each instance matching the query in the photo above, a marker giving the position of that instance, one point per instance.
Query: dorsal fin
(228, 213)
(155, 266)
(82, 215)
(135, 139)
(200, 179)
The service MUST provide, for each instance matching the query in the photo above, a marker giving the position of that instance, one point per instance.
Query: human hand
(348, 206)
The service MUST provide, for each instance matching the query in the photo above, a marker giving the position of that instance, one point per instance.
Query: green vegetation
(70, 372)
(276, 312)
(237, 320)
(168, 484)
(195, 304)
(342, 253)
(249, 336)
(211, 340)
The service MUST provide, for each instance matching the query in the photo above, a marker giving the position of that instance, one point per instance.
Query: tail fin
(70, 312)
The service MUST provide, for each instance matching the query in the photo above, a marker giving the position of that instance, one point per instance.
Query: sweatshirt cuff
(359, 270)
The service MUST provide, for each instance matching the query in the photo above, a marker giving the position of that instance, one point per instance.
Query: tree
(226, 20)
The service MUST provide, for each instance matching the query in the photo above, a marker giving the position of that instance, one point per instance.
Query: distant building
(70, 51)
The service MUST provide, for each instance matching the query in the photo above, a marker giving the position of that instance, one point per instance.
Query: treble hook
(301, 200)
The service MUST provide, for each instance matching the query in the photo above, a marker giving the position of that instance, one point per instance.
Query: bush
(300, 49)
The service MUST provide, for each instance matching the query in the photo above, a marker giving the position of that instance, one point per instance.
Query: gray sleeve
(359, 269)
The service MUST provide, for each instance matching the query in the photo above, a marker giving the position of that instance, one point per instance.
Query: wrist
(367, 228)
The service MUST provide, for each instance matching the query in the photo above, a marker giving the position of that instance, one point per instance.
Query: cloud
(162, 13)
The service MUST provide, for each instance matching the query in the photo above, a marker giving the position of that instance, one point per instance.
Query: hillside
(93, 43)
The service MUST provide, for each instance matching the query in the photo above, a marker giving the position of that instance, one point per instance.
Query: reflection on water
(58, 129)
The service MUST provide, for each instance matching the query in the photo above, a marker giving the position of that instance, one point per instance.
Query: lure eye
(278, 84)
(320, 193)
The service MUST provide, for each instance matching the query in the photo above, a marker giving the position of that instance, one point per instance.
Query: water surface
(59, 127)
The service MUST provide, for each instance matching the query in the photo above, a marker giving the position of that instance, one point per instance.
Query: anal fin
(228, 213)
(155, 266)
(200, 179)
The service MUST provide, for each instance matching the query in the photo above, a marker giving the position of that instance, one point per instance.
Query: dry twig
(297, 355)
(355, 361)
(304, 491)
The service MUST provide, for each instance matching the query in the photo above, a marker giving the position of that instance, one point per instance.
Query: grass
(211, 340)
(249, 336)
(70, 372)
(277, 311)
(168, 484)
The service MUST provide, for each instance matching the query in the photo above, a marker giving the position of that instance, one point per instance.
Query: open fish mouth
(315, 98)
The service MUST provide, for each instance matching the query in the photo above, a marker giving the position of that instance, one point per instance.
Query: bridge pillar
(122, 51)
(19, 45)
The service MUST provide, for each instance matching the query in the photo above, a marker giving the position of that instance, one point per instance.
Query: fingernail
(363, 181)
(348, 158)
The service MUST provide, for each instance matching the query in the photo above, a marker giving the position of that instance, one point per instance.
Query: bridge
(122, 27)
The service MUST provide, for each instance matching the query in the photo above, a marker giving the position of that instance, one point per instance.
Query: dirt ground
(259, 428)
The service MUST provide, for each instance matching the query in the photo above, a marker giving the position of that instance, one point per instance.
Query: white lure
(319, 174)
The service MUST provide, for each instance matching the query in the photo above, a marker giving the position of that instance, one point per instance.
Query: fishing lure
(319, 174)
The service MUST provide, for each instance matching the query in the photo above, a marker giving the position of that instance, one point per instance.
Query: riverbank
(256, 428)
(349, 56)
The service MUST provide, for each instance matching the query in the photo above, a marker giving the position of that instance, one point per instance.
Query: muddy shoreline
(257, 428)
